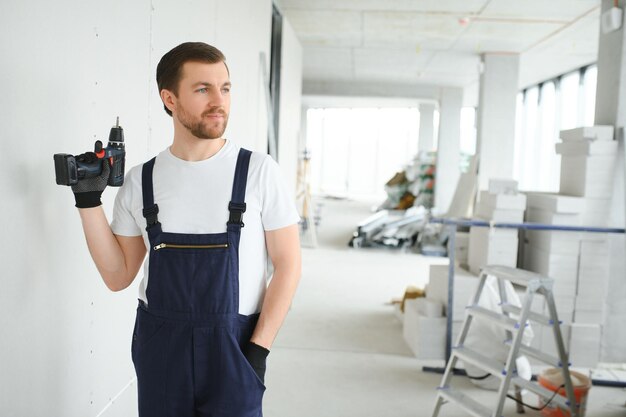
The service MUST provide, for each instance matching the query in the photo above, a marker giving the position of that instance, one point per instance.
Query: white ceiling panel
(334, 28)
(327, 63)
(425, 31)
(440, 41)
(390, 64)
(484, 36)
(442, 6)
(454, 62)
(559, 10)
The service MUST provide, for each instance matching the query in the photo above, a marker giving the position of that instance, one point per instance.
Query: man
(199, 343)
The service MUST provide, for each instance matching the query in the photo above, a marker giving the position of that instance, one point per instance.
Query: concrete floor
(341, 352)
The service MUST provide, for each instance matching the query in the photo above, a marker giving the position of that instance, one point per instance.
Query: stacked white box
(496, 246)
(424, 335)
(461, 245)
(492, 246)
(593, 281)
(548, 340)
(465, 285)
(588, 133)
(584, 345)
(563, 268)
(588, 158)
(588, 176)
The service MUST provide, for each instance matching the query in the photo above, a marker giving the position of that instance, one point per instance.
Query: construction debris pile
(402, 217)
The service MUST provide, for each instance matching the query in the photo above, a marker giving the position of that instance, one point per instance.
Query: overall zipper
(173, 246)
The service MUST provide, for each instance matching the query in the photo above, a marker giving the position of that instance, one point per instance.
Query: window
(355, 151)
(543, 110)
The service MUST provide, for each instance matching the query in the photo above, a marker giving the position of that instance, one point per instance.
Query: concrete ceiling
(439, 42)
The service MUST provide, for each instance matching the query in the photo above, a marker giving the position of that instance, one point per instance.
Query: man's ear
(169, 99)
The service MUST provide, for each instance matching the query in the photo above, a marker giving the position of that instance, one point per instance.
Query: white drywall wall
(68, 69)
(290, 105)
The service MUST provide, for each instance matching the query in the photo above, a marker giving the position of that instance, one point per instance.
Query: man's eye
(202, 90)
(226, 90)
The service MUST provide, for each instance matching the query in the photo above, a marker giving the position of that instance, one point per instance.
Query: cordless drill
(70, 169)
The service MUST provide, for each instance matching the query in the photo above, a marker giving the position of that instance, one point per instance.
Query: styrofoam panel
(498, 215)
(586, 148)
(582, 316)
(599, 132)
(565, 243)
(555, 202)
(548, 342)
(489, 247)
(424, 335)
(557, 266)
(537, 215)
(503, 201)
(587, 176)
(502, 186)
(465, 285)
(584, 344)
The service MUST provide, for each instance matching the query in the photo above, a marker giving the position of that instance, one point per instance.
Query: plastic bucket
(552, 379)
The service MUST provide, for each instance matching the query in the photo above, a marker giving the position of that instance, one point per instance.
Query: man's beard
(204, 128)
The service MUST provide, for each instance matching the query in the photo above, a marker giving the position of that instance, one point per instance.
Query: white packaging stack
(492, 246)
(563, 268)
(584, 345)
(588, 158)
(553, 241)
(593, 280)
(591, 133)
(424, 335)
(496, 246)
(461, 244)
(465, 284)
(548, 341)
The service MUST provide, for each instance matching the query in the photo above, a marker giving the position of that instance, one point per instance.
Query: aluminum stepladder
(514, 320)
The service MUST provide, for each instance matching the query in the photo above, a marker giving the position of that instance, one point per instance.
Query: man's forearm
(276, 303)
(104, 248)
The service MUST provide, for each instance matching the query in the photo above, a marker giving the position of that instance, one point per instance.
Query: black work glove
(88, 191)
(256, 356)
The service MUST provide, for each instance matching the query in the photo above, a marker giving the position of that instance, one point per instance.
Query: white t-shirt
(193, 198)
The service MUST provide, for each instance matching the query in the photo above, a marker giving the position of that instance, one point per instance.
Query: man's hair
(169, 70)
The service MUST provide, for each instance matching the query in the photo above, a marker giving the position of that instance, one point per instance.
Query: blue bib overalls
(188, 339)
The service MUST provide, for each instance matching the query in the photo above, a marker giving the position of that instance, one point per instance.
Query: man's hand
(88, 191)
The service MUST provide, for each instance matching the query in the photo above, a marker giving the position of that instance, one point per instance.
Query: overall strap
(150, 210)
(237, 205)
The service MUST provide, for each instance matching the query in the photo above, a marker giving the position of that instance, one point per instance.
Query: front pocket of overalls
(244, 360)
(147, 328)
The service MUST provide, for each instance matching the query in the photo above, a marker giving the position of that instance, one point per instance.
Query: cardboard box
(599, 132)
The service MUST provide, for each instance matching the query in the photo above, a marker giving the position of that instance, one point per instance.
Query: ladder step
(537, 354)
(531, 386)
(464, 401)
(470, 356)
(536, 317)
(517, 276)
(500, 319)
